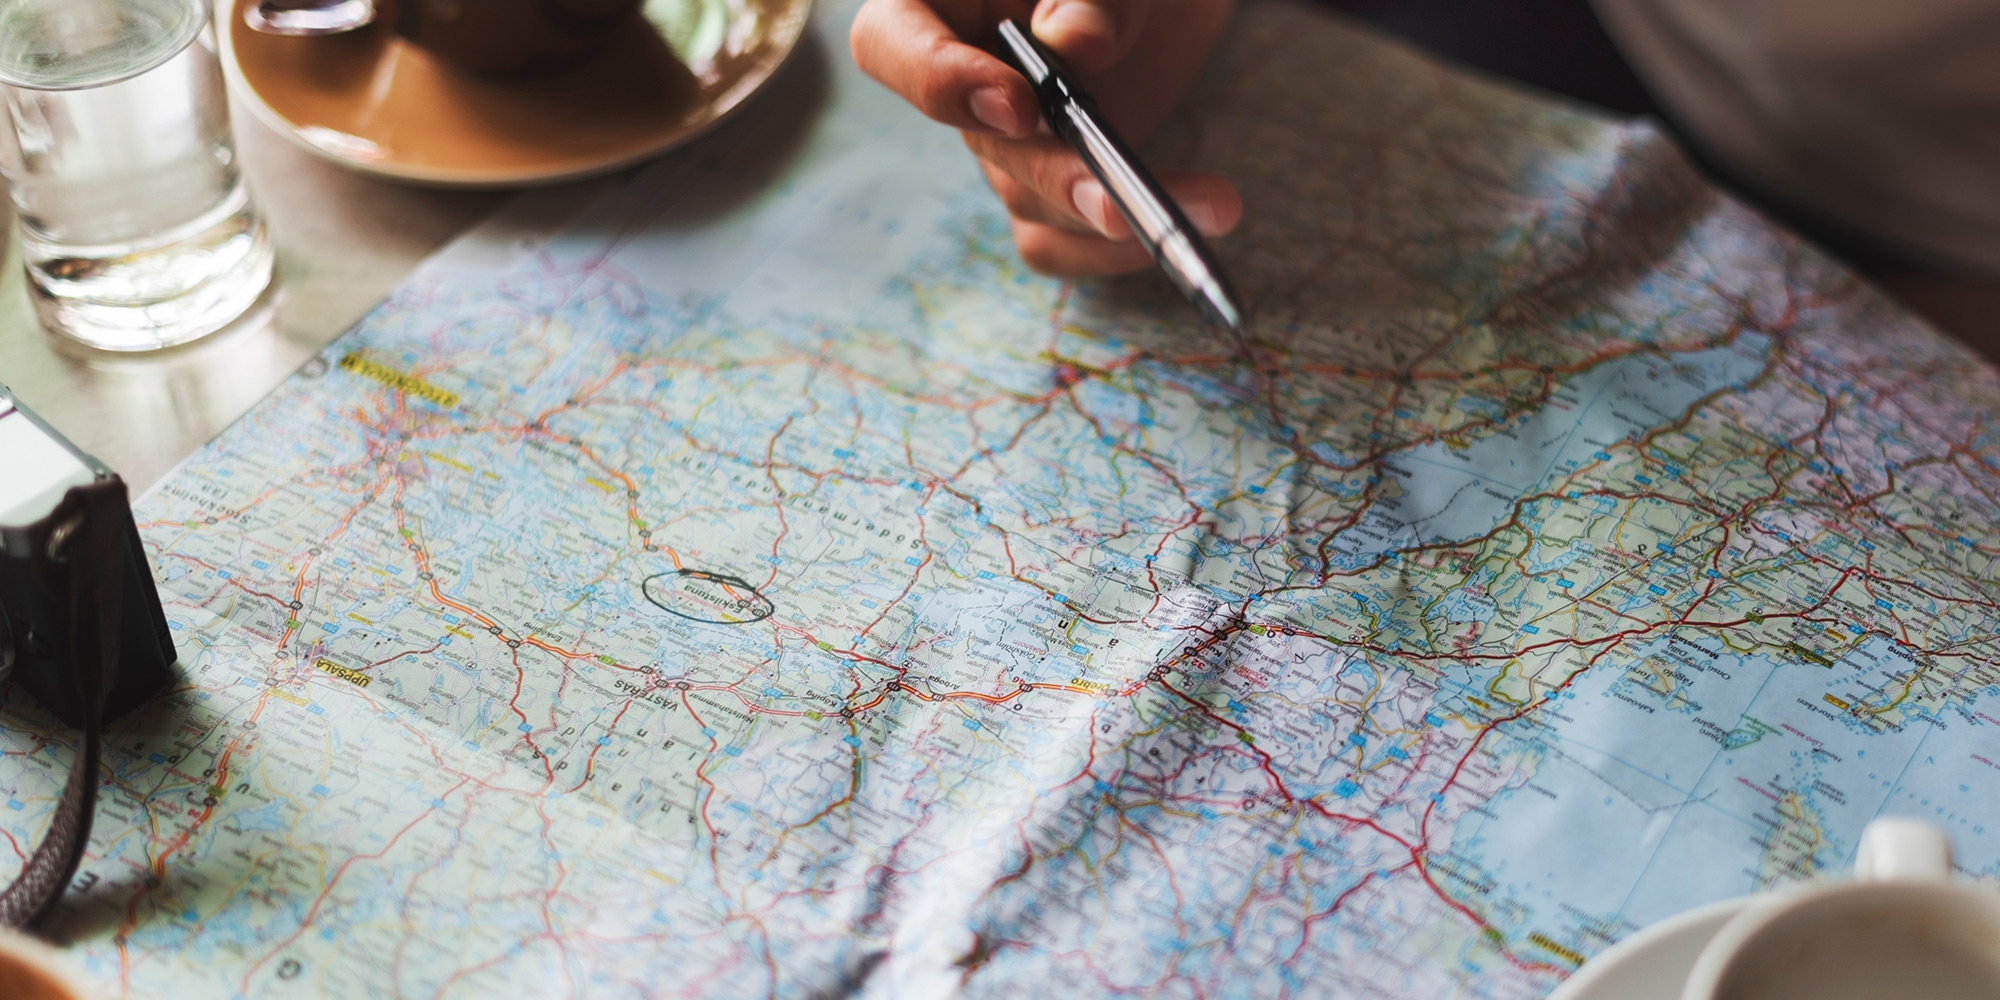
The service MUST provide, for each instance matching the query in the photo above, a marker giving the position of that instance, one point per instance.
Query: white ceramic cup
(31, 970)
(1901, 929)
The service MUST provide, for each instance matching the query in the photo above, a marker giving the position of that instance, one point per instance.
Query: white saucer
(1654, 963)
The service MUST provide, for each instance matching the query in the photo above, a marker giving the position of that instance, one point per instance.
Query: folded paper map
(767, 587)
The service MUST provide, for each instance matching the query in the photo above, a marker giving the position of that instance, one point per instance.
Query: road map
(767, 587)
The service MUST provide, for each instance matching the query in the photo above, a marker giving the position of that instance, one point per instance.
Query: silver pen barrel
(1158, 223)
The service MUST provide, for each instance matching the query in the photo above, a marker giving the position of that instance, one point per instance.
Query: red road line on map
(701, 775)
(229, 514)
(157, 870)
(230, 580)
(590, 760)
(1417, 851)
(1305, 925)
(1265, 761)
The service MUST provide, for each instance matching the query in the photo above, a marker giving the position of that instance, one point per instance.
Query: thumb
(1091, 35)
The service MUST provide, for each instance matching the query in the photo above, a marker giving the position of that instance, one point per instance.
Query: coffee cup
(31, 970)
(1900, 928)
(477, 37)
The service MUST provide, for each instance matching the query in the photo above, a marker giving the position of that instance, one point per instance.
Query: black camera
(81, 626)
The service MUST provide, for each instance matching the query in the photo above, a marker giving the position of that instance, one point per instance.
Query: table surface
(344, 241)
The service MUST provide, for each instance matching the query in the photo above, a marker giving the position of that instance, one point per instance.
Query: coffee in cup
(508, 37)
(477, 37)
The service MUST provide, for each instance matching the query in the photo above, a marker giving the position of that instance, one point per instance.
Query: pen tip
(1223, 311)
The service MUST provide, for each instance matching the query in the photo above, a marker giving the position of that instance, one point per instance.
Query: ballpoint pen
(1158, 222)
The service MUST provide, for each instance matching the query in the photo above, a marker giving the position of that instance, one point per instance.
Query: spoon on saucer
(309, 17)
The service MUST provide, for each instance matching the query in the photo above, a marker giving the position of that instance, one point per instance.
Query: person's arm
(1137, 57)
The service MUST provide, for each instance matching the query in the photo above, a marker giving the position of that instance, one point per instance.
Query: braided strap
(34, 892)
(79, 555)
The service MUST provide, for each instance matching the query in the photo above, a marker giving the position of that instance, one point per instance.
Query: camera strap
(79, 553)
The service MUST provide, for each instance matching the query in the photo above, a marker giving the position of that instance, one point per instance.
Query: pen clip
(1044, 70)
(1023, 51)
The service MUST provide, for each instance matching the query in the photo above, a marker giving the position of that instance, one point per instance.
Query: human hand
(1137, 58)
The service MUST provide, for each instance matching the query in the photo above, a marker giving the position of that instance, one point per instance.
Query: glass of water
(136, 228)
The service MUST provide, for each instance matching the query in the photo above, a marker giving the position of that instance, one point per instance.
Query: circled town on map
(702, 596)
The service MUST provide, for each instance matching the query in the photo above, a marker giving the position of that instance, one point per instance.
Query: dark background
(1556, 45)
(1559, 46)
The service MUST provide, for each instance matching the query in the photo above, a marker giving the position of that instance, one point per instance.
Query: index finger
(909, 46)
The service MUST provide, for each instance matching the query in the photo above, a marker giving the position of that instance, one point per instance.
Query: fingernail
(1200, 211)
(1092, 203)
(991, 107)
(1079, 18)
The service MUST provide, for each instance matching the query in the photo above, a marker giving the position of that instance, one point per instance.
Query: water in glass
(136, 228)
